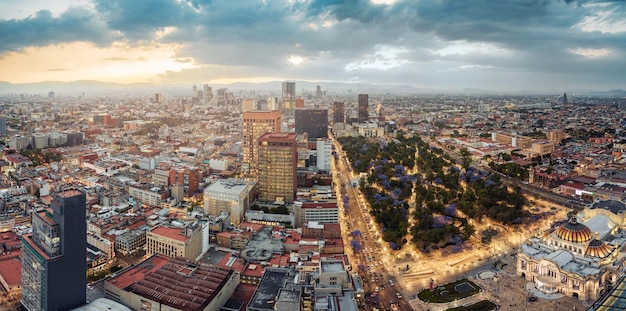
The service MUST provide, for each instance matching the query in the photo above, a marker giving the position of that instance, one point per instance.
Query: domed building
(581, 257)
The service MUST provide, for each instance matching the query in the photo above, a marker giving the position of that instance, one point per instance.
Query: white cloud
(465, 48)
(388, 2)
(605, 21)
(385, 57)
(591, 53)
(18, 9)
(295, 60)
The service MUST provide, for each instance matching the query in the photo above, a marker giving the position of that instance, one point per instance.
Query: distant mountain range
(96, 88)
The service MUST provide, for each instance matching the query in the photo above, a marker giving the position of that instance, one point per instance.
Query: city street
(374, 256)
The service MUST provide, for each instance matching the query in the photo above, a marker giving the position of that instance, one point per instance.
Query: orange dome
(573, 231)
(598, 249)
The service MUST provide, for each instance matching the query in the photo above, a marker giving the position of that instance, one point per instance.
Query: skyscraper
(363, 108)
(208, 94)
(256, 123)
(53, 256)
(3, 126)
(222, 97)
(289, 90)
(278, 158)
(564, 98)
(247, 104)
(313, 122)
(338, 112)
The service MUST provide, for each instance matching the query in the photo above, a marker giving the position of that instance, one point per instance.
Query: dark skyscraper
(338, 113)
(53, 256)
(289, 90)
(3, 126)
(312, 121)
(363, 108)
(565, 98)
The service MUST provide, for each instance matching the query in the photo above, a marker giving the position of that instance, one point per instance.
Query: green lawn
(447, 292)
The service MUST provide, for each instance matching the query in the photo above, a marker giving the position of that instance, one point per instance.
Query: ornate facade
(581, 257)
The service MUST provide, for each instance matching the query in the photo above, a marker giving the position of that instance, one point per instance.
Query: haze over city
(504, 46)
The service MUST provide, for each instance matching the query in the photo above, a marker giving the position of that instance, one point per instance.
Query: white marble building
(582, 257)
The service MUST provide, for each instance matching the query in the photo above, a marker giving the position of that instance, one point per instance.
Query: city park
(443, 220)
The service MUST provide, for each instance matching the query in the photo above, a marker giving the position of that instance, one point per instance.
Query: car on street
(398, 295)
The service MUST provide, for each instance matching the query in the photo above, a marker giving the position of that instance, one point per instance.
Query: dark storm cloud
(43, 29)
(138, 20)
(536, 34)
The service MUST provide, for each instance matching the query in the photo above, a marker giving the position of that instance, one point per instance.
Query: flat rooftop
(69, 193)
(289, 295)
(267, 290)
(171, 233)
(229, 186)
(332, 266)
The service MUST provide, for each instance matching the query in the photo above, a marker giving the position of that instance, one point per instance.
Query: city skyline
(502, 46)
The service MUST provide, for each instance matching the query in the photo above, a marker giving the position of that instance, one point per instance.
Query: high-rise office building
(324, 154)
(256, 123)
(53, 256)
(273, 103)
(564, 98)
(247, 104)
(222, 97)
(278, 158)
(363, 108)
(338, 112)
(289, 90)
(313, 122)
(208, 93)
(3, 126)
(19, 142)
(289, 97)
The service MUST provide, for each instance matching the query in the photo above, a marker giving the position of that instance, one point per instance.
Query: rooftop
(229, 186)
(614, 206)
(11, 270)
(332, 266)
(103, 304)
(288, 295)
(171, 233)
(176, 282)
(264, 296)
(68, 193)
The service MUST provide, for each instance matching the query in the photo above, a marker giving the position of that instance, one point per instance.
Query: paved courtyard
(510, 292)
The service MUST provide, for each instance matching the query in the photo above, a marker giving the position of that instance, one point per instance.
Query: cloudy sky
(496, 45)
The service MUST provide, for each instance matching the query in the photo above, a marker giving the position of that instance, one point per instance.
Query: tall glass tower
(53, 256)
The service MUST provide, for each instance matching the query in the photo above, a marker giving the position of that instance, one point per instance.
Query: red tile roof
(179, 283)
(137, 225)
(171, 233)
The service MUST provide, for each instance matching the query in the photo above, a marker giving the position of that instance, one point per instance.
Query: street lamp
(495, 279)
